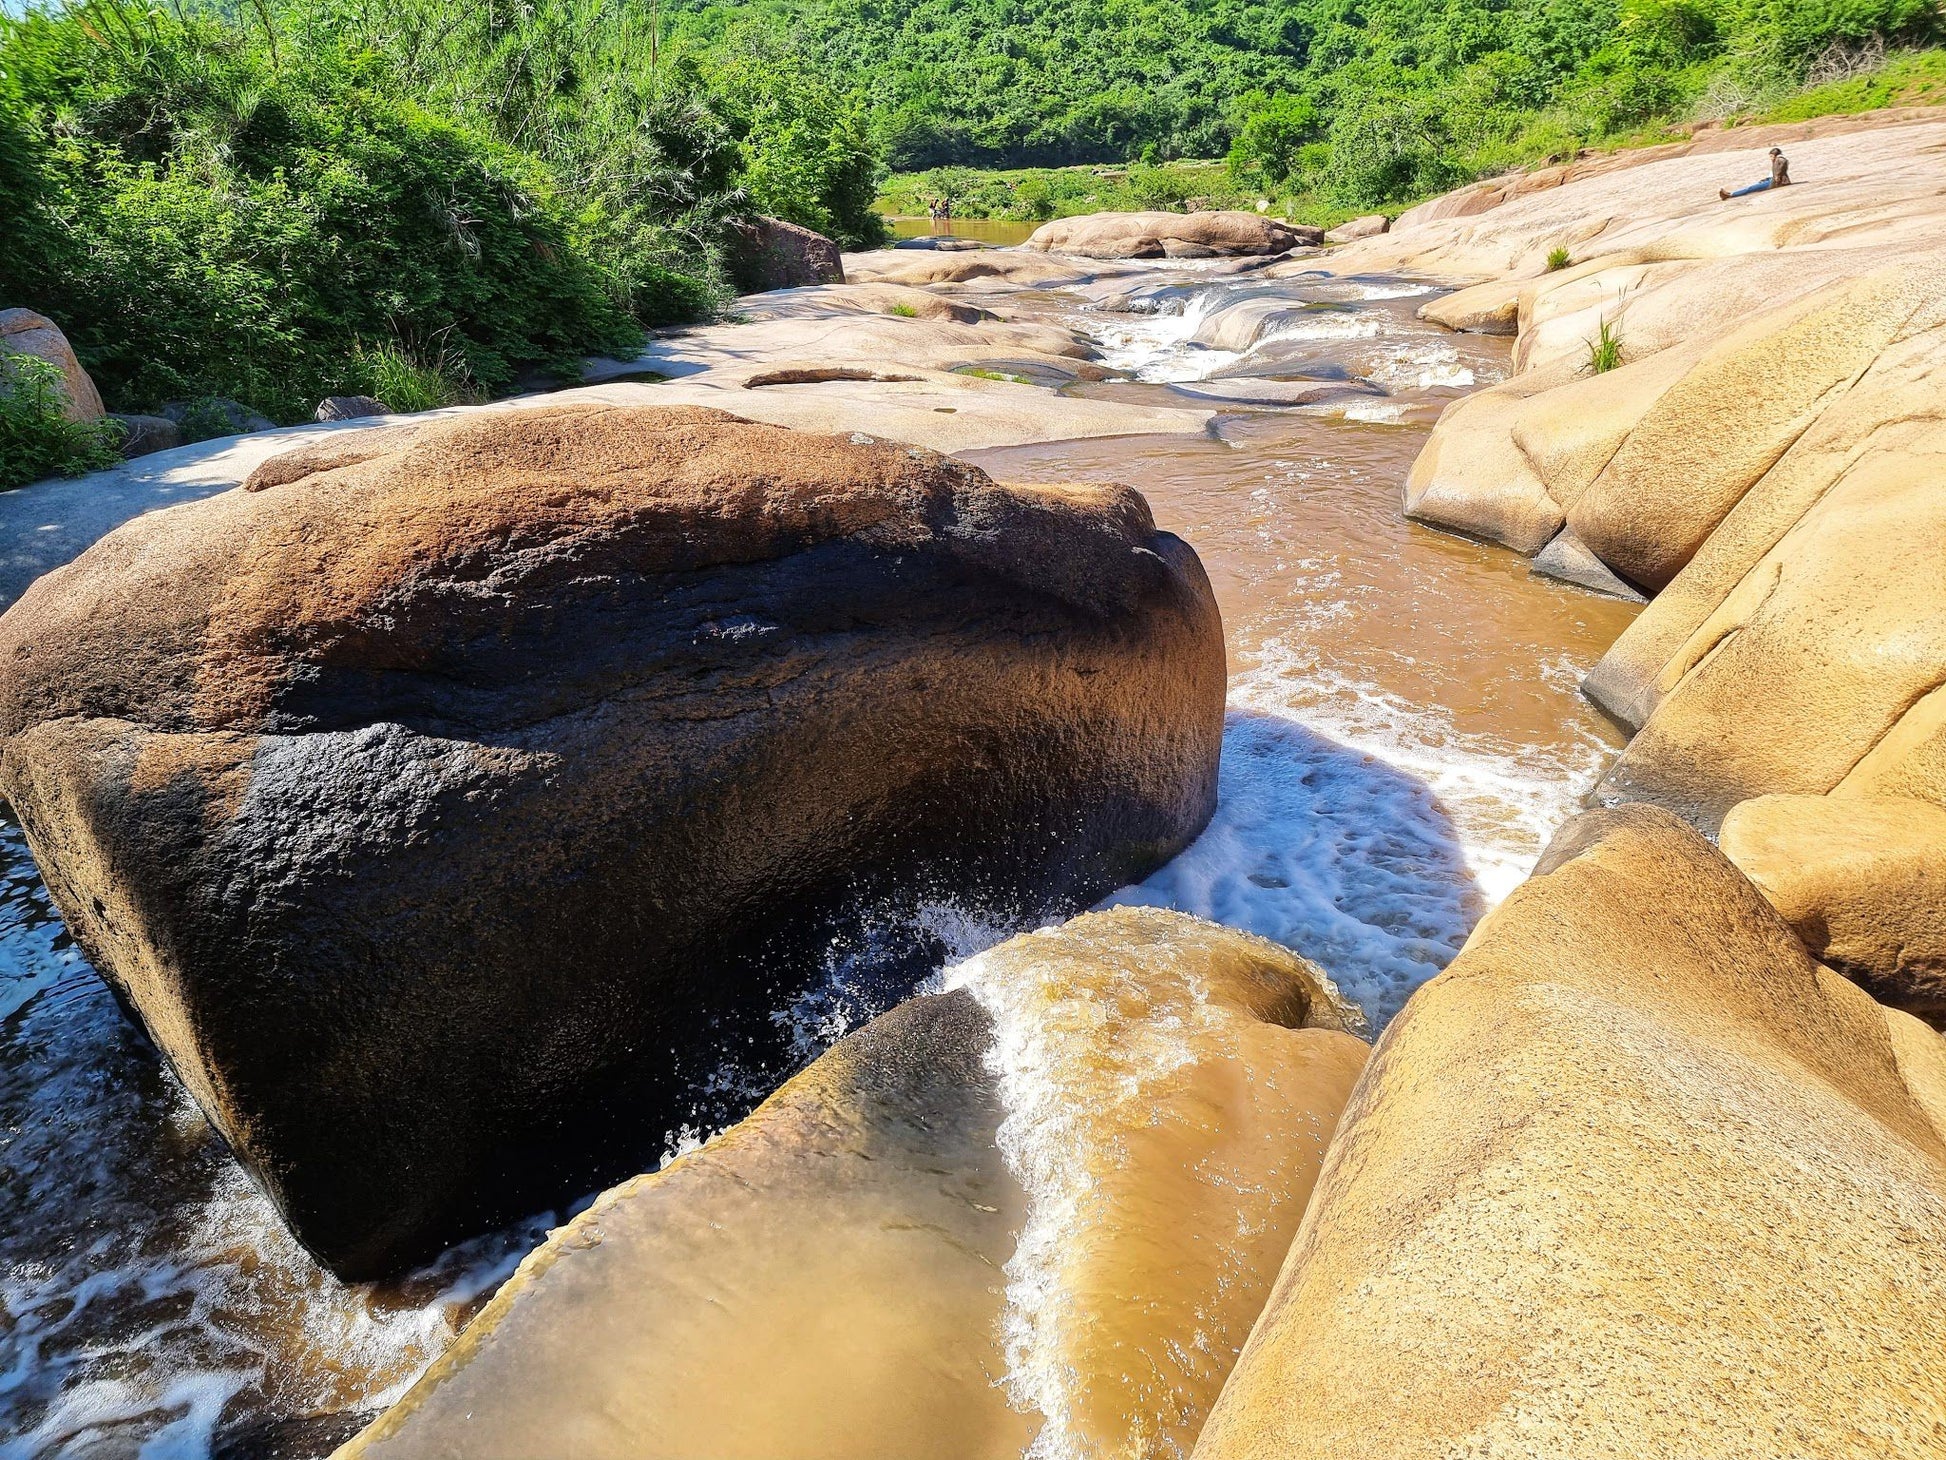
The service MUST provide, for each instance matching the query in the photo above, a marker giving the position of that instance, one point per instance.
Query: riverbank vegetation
(1325, 107)
(277, 201)
(277, 204)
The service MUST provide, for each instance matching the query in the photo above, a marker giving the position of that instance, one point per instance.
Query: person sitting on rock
(1780, 177)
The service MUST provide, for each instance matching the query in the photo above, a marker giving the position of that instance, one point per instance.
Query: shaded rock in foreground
(1634, 1176)
(350, 408)
(451, 802)
(826, 1279)
(146, 435)
(1567, 559)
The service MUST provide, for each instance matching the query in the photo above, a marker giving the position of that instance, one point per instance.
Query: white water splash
(1368, 834)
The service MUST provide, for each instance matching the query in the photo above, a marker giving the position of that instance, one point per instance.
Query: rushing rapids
(1403, 734)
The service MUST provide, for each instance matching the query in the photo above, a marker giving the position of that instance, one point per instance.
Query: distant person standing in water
(1780, 177)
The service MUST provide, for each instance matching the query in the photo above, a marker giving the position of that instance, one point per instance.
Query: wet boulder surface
(1036, 1213)
(448, 802)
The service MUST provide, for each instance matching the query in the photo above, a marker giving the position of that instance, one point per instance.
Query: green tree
(1268, 144)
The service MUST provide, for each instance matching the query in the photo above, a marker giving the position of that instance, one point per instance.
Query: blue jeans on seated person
(1756, 187)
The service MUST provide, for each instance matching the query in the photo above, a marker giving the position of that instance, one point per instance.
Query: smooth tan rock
(815, 361)
(1049, 1201)
(1462, 202)
(1561, 313)
(1881, 415)
(1171, 235)
(1921, 1054)
(1471, 477)
(1484, 309)
(1010, 267)
(944, 410)
(1817, 653)
(1571, 433)
(1633, 1177)
(1862, 879)
(1727, 421)
(827, 300)
(1658, 298)
(23, 332)
(1869, 182)
(1369, 226)
(1911, 758)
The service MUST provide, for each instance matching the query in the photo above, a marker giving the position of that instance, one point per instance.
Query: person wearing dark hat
(1780, 177)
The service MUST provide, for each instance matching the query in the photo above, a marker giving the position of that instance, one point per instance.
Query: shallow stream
(1404, 733)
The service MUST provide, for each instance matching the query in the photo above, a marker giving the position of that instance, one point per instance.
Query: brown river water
(999, 231)
(1404, 733)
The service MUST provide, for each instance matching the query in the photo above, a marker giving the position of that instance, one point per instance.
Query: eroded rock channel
(1058, 1181)
(1402, 733)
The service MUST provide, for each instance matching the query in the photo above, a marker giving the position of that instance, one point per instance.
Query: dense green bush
(1037, 194)
(1272, 139)
(218, 221)
(36, 439)
(808, 151)
(292, 200)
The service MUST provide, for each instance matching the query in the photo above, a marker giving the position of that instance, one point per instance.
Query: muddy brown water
(999, 231)
(1404, 733)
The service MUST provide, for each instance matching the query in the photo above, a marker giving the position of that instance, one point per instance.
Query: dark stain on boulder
(448, 805)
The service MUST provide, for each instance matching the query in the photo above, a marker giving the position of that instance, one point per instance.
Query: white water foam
(1153, 341)
(1040, 1137)
(1430, 365)
(1318, 325)
(1371, 412)
(1393, 291)
(1365, 833)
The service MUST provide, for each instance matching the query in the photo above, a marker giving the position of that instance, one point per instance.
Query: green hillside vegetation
(282, 199)
(1295, 178)
(421, 196)
(1348, 104)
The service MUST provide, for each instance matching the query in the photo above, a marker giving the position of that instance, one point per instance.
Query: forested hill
(1051, 81)
(1016, 82)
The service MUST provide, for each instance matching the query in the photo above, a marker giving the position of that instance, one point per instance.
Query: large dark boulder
(768, 253)
(450, 798)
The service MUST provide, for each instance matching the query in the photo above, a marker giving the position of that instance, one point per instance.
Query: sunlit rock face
(1034, 1213)
(446, 801)
(1634, 1176)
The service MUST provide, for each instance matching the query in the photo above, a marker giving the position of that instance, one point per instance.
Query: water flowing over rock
(447, 798)
(1040, 1208)
(1634, 1176)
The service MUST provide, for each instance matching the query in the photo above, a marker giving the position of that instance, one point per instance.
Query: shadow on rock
(1330, 851)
